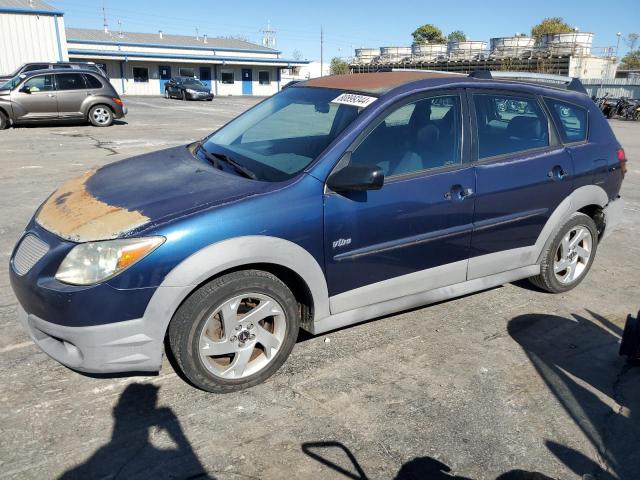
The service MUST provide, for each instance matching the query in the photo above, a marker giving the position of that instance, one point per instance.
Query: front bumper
(613, 216)
(132, 345)
(200, 96)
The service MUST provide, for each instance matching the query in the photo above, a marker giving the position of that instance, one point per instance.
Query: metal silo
(561, 44)
(467, 50)
(517, 46)
(366, 55)
(428, 52)
(394, 54)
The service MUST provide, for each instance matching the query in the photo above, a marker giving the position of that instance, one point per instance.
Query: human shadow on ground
(130, 454)
(335, 456)
(578, 360)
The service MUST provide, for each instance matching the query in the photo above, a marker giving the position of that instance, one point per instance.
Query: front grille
(31, 250)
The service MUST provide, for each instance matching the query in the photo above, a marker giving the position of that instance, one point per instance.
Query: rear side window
(570, 119)
(92, 82)
(70, 81)
(509, 124)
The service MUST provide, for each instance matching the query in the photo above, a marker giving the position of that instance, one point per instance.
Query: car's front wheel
(101, 116)
(568, 257)
(235, 331)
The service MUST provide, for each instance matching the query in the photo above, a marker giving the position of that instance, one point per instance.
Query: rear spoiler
(558, 81)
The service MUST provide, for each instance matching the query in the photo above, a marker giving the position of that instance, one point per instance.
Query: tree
(457, 36)
(631, 40)
(297, 54)
(550, 25)
(428, 34)
(631, 61)
(338, 66)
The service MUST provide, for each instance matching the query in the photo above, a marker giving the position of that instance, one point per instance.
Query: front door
(165, 76)
(522, 174)
(247, 81)
(72, 92)
(205, 76)
(413, 234)
(35, 99)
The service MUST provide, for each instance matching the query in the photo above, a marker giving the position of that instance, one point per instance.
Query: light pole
(619, 34)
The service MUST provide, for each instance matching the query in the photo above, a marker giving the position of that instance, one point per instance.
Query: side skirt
(368, 312)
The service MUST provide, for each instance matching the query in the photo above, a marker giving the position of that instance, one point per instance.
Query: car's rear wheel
(569, 256)
(235, 331)
(4, 120)
(101, 116)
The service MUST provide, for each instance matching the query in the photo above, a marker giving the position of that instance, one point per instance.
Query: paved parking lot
(478, 387)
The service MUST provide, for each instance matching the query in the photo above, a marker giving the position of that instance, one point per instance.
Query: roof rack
(559, 81)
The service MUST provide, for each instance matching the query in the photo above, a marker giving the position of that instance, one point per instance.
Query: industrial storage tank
(517, 46)
(366, 55)
(394, 54)
(429, 51)
(467, 50)
(573, 43)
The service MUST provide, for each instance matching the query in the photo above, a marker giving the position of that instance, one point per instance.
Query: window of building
(41, 83)
(92, 82)
(187, 72)
(570, 119)
(420, 135)
(140, 74)
(70, 81)
(227, 77)
(509, 124)
(264, 78)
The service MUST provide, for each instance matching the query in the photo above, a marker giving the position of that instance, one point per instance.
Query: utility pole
(269, 36)
(105, 24)
(321, 51)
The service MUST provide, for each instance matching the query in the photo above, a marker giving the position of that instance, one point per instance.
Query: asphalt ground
(481, 387)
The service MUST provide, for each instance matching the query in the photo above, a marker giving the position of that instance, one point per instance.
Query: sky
(347, 24)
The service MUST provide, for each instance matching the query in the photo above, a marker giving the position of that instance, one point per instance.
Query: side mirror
(25, 90)
(356, 178)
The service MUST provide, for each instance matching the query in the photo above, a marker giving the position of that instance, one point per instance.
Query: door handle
(557, 173)
(458, 193)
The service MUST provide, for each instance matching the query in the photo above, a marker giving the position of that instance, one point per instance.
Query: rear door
(522, 172)
(35, 99)
(72, 92)
(414, 234)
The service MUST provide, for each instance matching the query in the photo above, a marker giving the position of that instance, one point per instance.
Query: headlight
(93, 262)
(190, 90)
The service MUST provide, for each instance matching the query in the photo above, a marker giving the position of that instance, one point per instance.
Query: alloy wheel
(101, 115)
(573, 255)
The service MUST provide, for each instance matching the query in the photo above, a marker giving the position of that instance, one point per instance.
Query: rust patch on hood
(71, 212)
(371, 82)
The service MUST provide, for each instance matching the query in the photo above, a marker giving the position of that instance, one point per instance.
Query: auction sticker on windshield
(354, 100)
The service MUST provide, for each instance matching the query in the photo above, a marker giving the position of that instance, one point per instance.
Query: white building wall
(592, 67)
(30, 38)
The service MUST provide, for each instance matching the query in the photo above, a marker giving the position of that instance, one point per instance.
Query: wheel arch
(291, 263)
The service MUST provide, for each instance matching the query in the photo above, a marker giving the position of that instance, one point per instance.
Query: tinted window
(570, 119)
(263, 78)
(31, 68)
(509, 124)
(421, 135)
(280, 136)
(41, 83)
(140, 75)
(92, 82)
(227, 77)
(70, 81)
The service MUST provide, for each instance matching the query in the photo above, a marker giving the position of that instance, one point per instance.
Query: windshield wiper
(216, 157)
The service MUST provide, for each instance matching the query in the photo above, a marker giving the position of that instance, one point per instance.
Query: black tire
(101, 116)
(187, 324)
(184, 96)
(4, 120)
(547, 279)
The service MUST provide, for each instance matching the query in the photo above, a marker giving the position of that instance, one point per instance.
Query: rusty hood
(126, 196)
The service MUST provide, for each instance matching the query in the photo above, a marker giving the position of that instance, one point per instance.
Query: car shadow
(578, 359)
(337, 457)
(131, 454)
(64, 123)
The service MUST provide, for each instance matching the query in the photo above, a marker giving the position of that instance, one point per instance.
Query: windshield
(10, 84)
(192, 81)
(282, 135)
